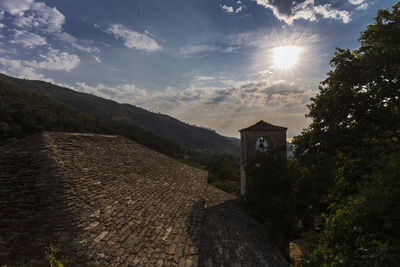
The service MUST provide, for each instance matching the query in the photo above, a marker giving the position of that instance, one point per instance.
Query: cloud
(288, 11)
(190, 50)
(19, 69)
(98, 59)
(251, 95)
(36, 17)
(267, 40)
(15, 7)
(122, 93)
(41, 17)
(204, 78)
(361, 5)
(227, 9)
(230, 9)
(54, 60)
(27, 39)
(68, 38)
(239, 9)
(134, 39)
(221, 108)
(356, 2)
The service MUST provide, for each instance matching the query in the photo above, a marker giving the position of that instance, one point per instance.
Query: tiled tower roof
(263, 126)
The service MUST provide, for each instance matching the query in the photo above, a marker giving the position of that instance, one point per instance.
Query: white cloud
(18, 68)
(361, 4)
(54, 60)
(41, 17)
(2, 25)
(7, 50)
(15, 7)
(37, 17)
(134, 39)
(239, 9)
(241, 103)
(327, 11)
(190, 50)
(98, 59)
(362, 7)
(122, 93)
(230, 9)
(28, 39)
(356, 2)
(204, 78)
(250, 95)
(288, 11)
(227, 9)
(68, 38)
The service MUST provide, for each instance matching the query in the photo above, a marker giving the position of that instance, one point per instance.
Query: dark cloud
(284, 7)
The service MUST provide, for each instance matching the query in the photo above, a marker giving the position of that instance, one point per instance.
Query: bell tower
(260, 136)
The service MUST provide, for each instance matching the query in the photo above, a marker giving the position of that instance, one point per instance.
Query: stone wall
(275, 138)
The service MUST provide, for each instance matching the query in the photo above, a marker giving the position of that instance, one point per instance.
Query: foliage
(111, 111)
(349, 153)
(222, 168)
(357, 108)
(53, 256)
(363, 229)
(268, 196)
(225, 186)
(23, 112)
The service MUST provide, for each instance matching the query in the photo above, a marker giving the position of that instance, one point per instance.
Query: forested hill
(164, 125)
(24, 112)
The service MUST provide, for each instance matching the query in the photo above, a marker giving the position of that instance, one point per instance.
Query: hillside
(24, 112)
(164, 125)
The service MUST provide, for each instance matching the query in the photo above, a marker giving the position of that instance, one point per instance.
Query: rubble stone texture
(108, 201)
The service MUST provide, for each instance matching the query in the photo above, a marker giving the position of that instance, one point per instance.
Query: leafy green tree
(353, 137)
(221, 168)
(356, 113)
(363, 229)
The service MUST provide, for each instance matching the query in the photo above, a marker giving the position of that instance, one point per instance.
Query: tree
(355, 128)
(356, 113)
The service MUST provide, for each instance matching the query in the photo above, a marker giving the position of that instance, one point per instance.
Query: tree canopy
(350, 150)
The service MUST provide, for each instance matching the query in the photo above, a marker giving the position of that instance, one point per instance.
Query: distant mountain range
(108, 110)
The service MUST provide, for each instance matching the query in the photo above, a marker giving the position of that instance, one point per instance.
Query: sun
(285, 57)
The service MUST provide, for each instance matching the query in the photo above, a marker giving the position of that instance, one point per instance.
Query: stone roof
(263, 126)
(106, 201)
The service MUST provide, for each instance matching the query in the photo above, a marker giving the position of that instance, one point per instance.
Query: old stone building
(260, 136)
(107, 201)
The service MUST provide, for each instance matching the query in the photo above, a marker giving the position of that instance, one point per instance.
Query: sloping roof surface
(263, 126)
(107, 201)
(103, 200)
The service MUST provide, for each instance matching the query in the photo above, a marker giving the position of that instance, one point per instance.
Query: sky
(219, 64)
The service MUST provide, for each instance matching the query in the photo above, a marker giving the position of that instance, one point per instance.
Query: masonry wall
(276, 139)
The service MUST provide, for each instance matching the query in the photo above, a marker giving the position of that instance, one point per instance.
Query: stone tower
(261, 135)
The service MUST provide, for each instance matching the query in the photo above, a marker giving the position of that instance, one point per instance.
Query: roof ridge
(262, 126)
